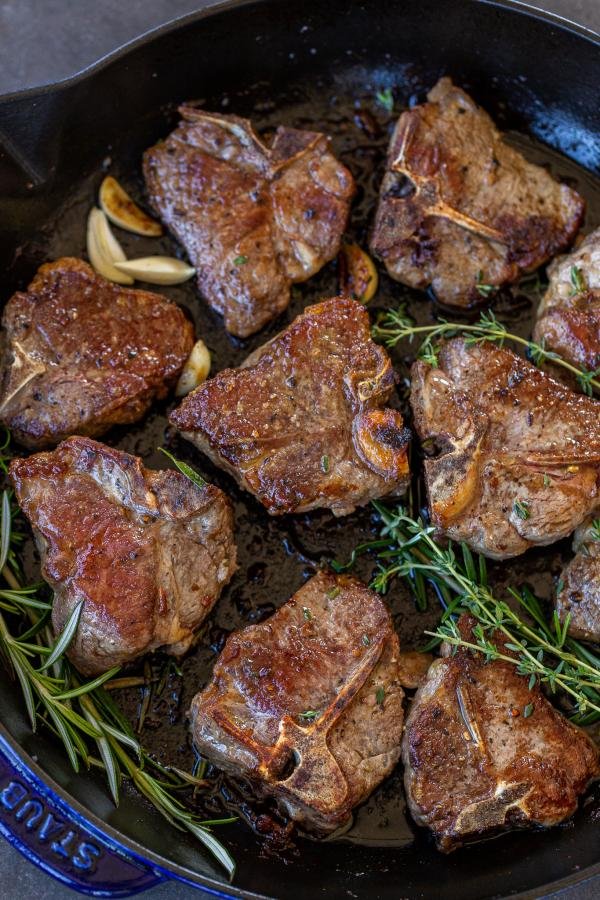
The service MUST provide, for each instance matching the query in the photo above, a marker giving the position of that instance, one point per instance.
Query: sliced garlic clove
(124, 212)
(195, 370)
(103, 249)
(157, 269)
(358, 275)
(381, 441)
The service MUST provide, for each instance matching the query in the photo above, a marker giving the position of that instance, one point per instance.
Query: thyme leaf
(521, 508)
(540, 650)
(385, 98)
(396, 325)
(483, 289)
(577, 281)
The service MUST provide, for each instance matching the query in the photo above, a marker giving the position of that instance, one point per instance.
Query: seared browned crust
(82, 354)
(568, 320)
(579, 593)
(253, 219)
(302, 424)
(148, 552)
(473, 209)
(483, 753)
(518, 453)
(330, 650)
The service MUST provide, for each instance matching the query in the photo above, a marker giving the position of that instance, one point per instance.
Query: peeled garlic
(103, 249)
(157, 269)
(195, 370)
(124, 212)
(358, 275)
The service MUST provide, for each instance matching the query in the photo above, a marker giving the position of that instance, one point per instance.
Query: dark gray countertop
(44, 41)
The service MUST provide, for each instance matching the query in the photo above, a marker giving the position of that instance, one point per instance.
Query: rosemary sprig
(396, 325)
(81, 713)
(539, 650)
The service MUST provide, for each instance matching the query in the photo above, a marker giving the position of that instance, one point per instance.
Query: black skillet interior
(317, 65)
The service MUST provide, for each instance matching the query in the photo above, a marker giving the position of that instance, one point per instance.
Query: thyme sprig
(540, 650)
(396, 325)
(81, 713)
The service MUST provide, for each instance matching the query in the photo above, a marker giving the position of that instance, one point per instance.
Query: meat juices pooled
(254, 219)
(82, 354)
(308, 704)
(517, 454)
(508, 758)
(579, 591)
(568, 317)
(147, 552)
(459, 207)
(302, 423)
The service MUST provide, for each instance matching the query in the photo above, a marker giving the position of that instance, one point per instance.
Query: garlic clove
(103, 249)
(195, 371)
(358, 275)
(157, 269)
(381, 441)
(124, 212)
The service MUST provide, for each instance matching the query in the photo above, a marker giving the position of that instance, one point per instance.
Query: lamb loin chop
(147, 552)
(254, 219)
(483, 753)
(308, 705)
(458, 207)
(82, 354)
(579, 592)
(517, 454)
(568, 318)
(302, 424)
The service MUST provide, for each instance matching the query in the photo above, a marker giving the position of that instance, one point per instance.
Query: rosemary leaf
(81, 713)
(540, 650)
(65, 637)
(186, 470)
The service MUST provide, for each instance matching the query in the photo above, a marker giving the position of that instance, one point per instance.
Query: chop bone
(429, 190)
(316, 775)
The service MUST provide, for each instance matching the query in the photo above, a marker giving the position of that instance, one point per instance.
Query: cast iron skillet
(309, 63)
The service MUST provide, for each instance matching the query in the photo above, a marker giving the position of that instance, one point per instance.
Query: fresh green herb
(385, 98)
(380, 695)
(395, 325)
(309, 715)
(547, 481)
(483, 289)
(325, 464)
(306, 613)
(333, 593)
(81, 713)
(528, 710)
(521, 508)
(577, 281)
(595, 529)
(186, 470)
(366, 640)
(240, 261)
(541, 651)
